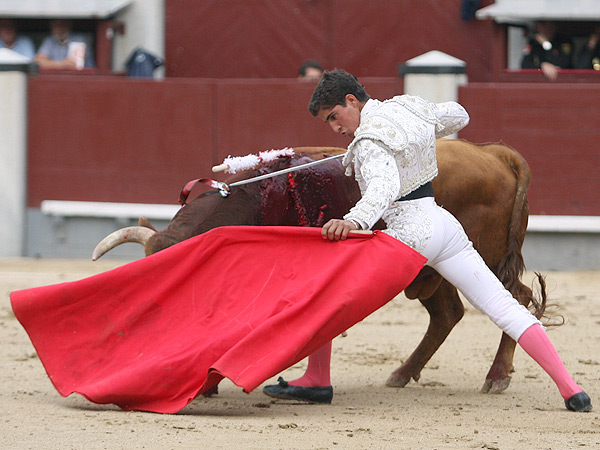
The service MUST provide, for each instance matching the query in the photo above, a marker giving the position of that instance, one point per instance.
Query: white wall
(144, 26)
(434, 87)
(13, 151)
(516, 43)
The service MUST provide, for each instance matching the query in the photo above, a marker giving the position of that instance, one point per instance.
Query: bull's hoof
(399, 381)
(214, 390)
(495, 386)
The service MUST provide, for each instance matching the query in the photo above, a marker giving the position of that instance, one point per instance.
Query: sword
(289, 169)
(224, 188)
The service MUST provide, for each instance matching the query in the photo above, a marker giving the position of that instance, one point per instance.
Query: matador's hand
(337, 229)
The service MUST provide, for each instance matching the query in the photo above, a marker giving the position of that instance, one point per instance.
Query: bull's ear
(145, 223)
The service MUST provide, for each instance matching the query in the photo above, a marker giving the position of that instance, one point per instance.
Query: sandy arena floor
(443, 411)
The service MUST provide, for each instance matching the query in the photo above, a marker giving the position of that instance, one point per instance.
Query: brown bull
(483, 185)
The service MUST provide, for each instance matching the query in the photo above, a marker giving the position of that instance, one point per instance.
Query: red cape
(238, 302)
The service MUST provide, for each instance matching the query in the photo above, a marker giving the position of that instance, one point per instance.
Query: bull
(483, 185)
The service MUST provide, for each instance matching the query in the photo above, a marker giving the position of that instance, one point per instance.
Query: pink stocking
(536, 343)
(318, 371)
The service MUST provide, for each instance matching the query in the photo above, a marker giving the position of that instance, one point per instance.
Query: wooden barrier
(131, 141)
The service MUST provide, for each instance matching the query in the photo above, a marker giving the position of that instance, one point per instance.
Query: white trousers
(437, 235)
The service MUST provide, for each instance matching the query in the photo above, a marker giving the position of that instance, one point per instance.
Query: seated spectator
(310, 70)
(547, 50)
(589, 55)
(11, 40)
(63, 49)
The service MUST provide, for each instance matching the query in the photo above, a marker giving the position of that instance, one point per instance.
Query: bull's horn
(128, 234)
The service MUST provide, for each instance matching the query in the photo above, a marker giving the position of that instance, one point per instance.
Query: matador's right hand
(337, 229)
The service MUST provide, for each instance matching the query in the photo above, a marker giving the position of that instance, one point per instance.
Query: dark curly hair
(332, 90)
(309, 64)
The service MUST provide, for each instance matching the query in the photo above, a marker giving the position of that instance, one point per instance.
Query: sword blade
(289, 169)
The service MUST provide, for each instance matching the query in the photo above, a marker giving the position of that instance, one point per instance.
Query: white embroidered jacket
(393, 151)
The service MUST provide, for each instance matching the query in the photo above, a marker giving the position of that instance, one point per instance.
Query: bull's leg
(498, 377)
(445, 310)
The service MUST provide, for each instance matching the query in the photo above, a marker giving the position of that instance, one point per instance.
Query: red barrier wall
(557, 129)
(270, 39)
(124, 140)
(109, 139)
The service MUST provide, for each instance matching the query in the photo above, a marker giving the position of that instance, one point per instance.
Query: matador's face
(343, 119)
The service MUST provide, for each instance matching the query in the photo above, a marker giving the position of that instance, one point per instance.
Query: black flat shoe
(580, 402)
(286, 391)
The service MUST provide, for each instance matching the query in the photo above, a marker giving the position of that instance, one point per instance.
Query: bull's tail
(512, 266)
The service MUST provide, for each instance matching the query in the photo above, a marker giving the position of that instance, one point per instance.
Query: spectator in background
(142, 64)
(468, 9)
(547, 50)
(310, 70)
(588, 57)
(64, 50)
(11, 40)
